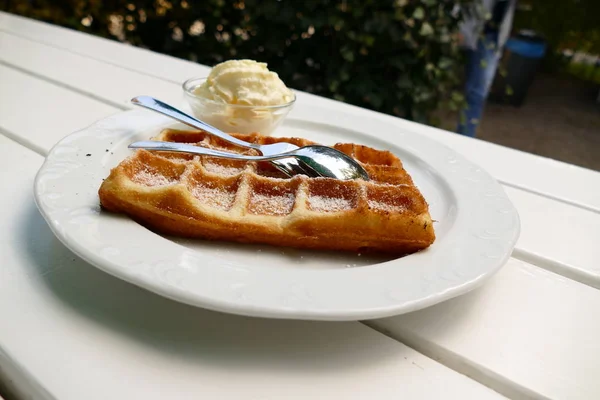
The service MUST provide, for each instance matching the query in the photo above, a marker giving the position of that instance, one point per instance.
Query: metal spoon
(326, 161)
(288, 166)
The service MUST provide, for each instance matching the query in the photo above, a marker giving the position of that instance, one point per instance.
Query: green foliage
(584, 71)
(395, 56)
(565, 24)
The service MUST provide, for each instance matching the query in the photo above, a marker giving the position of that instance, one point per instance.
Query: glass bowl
(235, 118)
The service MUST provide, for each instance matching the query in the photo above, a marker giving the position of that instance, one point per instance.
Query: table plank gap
(527, 333)
(63, 85)
(569, 248)
(580, 275)
(23, 142)
(38, 113)
(90, 56)
(137, 59)
(551, 196)
(12, 376)
(95, 79)
(483, 375)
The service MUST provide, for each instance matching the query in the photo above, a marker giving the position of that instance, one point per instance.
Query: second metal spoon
(288, 166)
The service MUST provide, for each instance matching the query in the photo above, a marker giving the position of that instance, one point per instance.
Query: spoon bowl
(330, 162)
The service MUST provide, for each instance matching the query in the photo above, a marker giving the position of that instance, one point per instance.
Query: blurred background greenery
(395, 56)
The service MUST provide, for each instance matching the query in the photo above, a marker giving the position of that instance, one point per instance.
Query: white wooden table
(69, 331)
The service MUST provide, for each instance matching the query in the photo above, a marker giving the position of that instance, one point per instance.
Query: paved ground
(560, 119)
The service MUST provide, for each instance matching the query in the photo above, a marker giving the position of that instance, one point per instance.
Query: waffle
(210, 198)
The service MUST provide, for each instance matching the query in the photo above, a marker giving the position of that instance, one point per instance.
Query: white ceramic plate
(476, 230)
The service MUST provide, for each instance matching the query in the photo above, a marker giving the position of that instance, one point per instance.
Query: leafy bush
(571, 24)
(396, 56)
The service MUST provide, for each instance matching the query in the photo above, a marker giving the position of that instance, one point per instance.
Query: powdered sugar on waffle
(150, 178)
(377, 205)
(272, 205)
(223, 170)
(214, 197)
(329, 204)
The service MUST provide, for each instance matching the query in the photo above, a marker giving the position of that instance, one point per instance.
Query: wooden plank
(558, 237)
(105, 82)
(528, 333)
(38, 113)
(129, 57)
(80, 333)
(512, 167)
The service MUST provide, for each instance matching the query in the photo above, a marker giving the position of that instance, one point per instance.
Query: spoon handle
(186, 148)
(165, 109)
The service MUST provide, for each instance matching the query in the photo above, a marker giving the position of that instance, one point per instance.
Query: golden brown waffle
(205, 197)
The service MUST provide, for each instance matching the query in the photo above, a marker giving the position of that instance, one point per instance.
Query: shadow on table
(190, 333)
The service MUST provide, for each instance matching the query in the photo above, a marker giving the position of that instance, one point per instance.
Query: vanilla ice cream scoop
(240, 96)
(244, 82)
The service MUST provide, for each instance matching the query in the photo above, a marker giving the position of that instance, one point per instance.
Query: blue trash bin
(521, 59)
